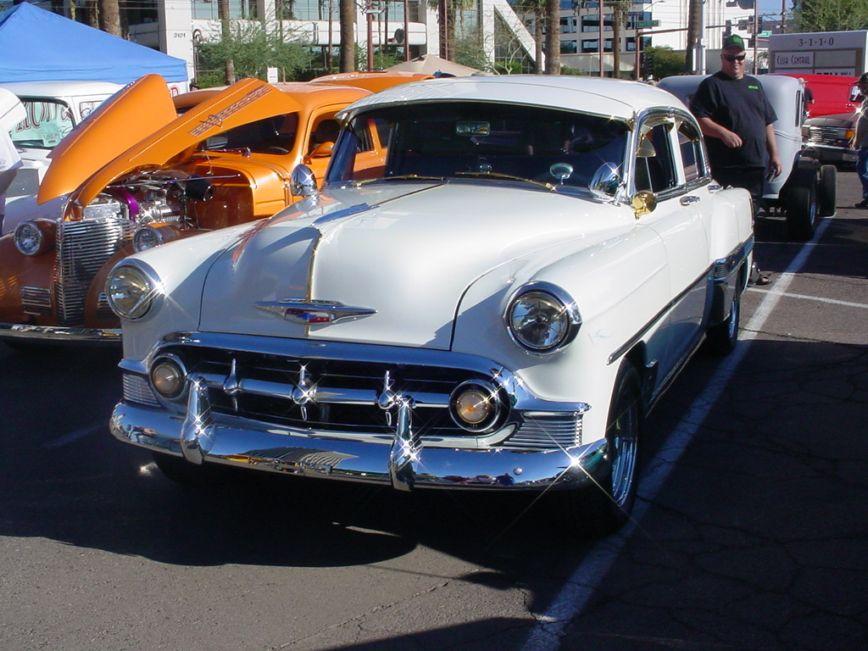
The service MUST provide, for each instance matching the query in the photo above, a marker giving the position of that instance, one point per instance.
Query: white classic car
(497, 306)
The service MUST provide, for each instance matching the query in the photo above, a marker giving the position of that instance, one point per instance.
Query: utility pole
(407, 30)
(331, 40)
(600, 42)
(369, 20)
(783, 12)
(755, 38)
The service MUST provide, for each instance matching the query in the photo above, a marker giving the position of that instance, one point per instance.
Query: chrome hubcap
(624, 452)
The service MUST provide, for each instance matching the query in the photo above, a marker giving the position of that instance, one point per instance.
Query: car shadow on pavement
(777, 469)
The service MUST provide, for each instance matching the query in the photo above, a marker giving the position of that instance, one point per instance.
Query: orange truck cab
(138, 174)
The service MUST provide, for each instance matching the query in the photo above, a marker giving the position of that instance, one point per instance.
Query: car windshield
(556, 148)
(273, 135)
(46, 124)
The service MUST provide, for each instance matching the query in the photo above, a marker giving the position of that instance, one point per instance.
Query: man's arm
(712, 129)
(772, 145)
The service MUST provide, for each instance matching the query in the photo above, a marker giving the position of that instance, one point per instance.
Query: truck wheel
(598, 510)
(827, 190)
(801, 211)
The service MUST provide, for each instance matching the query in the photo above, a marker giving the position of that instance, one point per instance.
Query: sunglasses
(732, 58)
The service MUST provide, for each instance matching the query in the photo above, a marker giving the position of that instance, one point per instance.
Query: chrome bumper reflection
(60, 334)
(401, 463)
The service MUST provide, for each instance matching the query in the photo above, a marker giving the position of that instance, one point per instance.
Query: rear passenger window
(691, 152)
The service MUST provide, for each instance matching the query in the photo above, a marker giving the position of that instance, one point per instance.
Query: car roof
(611, 97)
(61, 88)
(312, 95)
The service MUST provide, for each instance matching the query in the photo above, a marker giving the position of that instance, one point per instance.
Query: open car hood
(131, 114)
(245, 101)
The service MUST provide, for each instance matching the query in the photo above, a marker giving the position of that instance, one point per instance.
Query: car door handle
(689, 199)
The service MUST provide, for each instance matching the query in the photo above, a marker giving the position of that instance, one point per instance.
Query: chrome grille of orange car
(83, 247)
(36, 301)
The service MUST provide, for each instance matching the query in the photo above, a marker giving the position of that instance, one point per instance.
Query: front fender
(619, 284)
(18, 271)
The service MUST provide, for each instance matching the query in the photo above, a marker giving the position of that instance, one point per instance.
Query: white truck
(820, 53)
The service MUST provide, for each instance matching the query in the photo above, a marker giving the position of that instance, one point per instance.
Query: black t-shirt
(741, 106)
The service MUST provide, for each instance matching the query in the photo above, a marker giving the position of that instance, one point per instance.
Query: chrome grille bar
(83, 247)
(546, 433)
(36, 301)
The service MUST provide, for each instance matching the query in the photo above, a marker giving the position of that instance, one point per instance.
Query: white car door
(678, 220)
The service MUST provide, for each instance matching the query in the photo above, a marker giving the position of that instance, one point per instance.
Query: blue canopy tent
(38, 45)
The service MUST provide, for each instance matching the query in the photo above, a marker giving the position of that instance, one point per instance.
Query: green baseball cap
(733, 42)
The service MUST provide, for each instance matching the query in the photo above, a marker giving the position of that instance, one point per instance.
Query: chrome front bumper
(58, 334)
(399, 462)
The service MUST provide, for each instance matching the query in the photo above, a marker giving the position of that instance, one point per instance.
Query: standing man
(11, 112)
(860, 140)
(736, 118)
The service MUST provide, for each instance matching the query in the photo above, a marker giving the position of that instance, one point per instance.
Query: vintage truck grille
(83, 247)
(827, 136)
(35, 301)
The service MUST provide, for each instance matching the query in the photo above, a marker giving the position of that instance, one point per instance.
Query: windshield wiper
(508, 177)
(401, 177)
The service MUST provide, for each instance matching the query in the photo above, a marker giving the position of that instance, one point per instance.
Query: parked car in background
(137, 175)
(805, 189)
(496, 305)
(374, 81)
(828, 138)
(54, 108)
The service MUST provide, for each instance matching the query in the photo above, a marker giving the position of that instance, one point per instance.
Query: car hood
(406, 252)
(120, 122)
(245, 101)
(839, 120)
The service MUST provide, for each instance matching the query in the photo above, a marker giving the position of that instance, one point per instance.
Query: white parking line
(585, 579)
(808, 297)
(75, 435)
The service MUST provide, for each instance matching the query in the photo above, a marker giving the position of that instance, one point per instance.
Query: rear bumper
(58, 334)
(261, 446)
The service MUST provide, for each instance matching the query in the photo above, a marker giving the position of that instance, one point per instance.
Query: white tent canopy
(431, 64)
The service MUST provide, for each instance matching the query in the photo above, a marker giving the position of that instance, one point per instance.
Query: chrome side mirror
(643, 202)
(605, 182)
(302, 182)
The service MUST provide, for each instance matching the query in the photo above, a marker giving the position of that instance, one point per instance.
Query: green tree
(662, 62)
(252, 49)
(830, 15)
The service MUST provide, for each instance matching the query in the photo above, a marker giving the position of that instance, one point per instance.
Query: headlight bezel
(553, 292)
(155, 289)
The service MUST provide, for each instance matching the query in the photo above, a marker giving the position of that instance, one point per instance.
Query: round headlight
(28, 238)
(146, 238)
(540, 321)
(130, 292)
(475, 406)
(168, 377)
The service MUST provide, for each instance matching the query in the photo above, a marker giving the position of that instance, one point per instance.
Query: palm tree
(619, 17)
(348, 35)
(553, 37)
(110, 17)
(226, 35)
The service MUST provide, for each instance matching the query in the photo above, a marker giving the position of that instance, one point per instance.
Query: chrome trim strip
(306, 312)
(744, 249)
(59, 334)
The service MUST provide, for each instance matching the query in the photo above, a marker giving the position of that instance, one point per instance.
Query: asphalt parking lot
(751, 530)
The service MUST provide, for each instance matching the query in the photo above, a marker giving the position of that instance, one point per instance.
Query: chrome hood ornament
(305, 312)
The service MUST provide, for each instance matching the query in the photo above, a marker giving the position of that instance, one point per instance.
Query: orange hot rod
(144, 170)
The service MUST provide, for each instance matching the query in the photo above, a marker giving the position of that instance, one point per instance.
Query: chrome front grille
(83, 247)
(36, 301)
(545, 433)
(827, 136)
(268, 388)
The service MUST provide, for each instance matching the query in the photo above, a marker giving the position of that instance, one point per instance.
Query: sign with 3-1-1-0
(841, 53)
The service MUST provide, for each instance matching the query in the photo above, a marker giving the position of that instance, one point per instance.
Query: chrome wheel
(624, 450)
